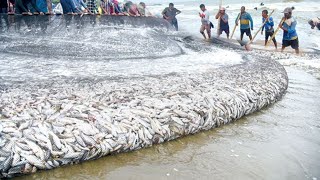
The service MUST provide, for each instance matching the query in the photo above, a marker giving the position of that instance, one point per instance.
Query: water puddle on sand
(279, 142)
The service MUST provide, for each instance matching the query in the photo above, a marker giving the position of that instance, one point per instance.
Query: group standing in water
(74, 7)
(107, 7)
(287, 24)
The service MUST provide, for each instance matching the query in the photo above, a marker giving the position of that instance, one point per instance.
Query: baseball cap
(222, 9)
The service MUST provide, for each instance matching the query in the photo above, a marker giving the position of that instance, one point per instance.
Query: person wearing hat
(268, 27)
(170, 13)
(245, 23)
(290, 36)
(224, 23)
(205, 23)
(315, 22)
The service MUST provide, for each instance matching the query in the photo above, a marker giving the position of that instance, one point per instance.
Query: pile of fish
(41, 129)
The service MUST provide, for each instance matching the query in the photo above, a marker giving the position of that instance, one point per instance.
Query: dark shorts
(269, 34)
(226, 30)
(247, 31)
(293, 43)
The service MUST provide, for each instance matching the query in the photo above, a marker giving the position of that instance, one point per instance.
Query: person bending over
(170, 13)
(290, 36)
(131, 9)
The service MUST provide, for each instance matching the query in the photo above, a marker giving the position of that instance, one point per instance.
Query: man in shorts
(268, 27)
(245, 23)
(290, 36)
(205, 23)
(224, 23)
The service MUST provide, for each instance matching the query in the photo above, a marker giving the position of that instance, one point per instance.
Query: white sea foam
(33, 68)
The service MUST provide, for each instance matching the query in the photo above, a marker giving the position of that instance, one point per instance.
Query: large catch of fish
(41, 129)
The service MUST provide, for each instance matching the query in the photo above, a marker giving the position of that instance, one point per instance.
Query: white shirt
(205, 17)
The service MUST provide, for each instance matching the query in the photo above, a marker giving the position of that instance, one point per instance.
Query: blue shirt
(245, 18)
(291, 34)
(42, 5)
(269, 24)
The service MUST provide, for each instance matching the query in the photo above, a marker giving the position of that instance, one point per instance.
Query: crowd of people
(110, 7)
(25, 6)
